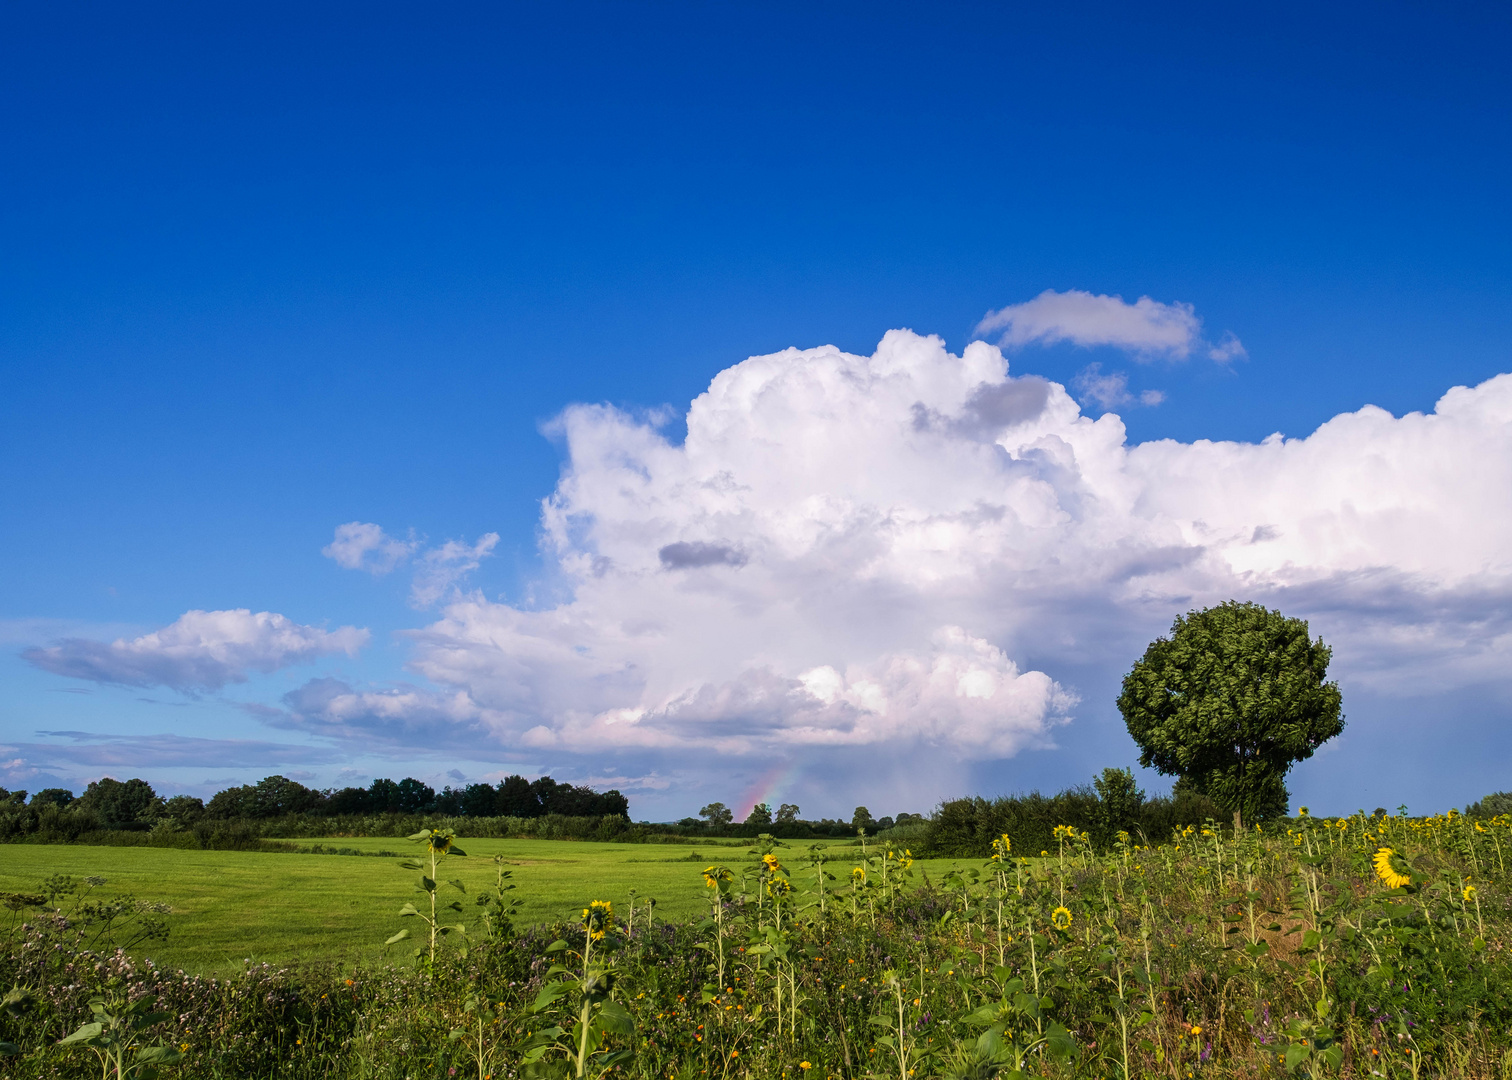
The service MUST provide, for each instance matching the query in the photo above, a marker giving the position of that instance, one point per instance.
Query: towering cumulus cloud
(910, 548)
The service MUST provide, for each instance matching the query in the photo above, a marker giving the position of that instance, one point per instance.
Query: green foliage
(1268, 953)
(717, 814)
(121, 805)
(1230, 701)
(1498, 802)
(1119, 802)
(761, 814)
(967, 827)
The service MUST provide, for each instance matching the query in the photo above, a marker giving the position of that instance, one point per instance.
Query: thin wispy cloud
(438, 571)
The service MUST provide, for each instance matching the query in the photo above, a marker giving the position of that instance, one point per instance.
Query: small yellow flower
(1469, 894)
(1196, 1029)
(859, 874)
(1060, 918)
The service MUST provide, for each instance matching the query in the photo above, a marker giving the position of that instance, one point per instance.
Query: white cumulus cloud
(908, 548)
(199, 651)
(1147, 328)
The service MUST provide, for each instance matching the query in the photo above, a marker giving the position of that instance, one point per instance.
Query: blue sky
(268, 272)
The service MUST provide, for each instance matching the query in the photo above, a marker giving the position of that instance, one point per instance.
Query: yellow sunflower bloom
(1060, 918)
(1388, 873)
(598, 918)
(1469, 894)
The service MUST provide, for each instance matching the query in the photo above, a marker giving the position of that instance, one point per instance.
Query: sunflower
(771, 863)
(713, 875)
(1388, 873)
(598, 917)
(1060, 918)
(779, 887)
(1468, 892)
(1000, 848)
(859, 874)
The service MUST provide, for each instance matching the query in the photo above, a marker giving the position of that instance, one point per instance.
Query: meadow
(1375, 945)
(272, 906)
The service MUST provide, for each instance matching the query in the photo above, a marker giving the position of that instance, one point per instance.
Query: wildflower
(1388, 873)
(1196, 1029)
(859, 874)
(771, 863)
(1060, 918)
(1468, 893)
(805, 1065)
(598, 918)
(713, 875)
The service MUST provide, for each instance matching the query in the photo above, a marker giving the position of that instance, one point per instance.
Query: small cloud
(364, 546)
(692, 554)
(1111, 390)
(440, 569)
(1227, 350)
(1146, 328)
(199, 651)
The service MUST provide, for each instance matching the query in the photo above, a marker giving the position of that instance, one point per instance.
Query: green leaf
(613, 1018)
(1059, 1042)
(549, 993)
(1295, 1055)
(457, 884)
(8, 1049)
(408, 909)
(400, 936)
(427, 884)
(556, 946)
(159, 1055)
(84, 1034)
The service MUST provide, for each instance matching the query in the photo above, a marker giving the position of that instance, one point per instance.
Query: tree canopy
(1234, 697)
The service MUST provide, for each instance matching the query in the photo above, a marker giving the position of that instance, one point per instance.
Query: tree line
(110, 804)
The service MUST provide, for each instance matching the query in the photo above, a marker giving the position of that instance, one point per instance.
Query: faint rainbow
(768, 788)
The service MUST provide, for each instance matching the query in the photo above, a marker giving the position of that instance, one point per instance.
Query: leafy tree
(761, 814)
(1230, 701)
(516, 799)
(182, 811)
(415, 796)
(1498, 802)
(53, 796)
(862, 819)
(1119, 800)
(122, 804)
(787, 813)
(717, 814)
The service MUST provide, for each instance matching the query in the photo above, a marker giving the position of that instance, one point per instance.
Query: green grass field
(233, 905)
